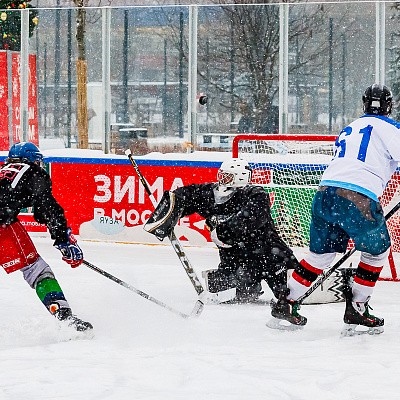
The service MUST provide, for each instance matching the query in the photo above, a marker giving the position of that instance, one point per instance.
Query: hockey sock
(301, 279)
(51, 294)
(364, 281)
(307, 272)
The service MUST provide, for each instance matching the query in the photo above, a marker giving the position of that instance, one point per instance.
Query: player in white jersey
(346, 206)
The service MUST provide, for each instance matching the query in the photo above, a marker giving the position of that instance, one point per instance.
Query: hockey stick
(176, 244)
(330, 271)
(197, 310)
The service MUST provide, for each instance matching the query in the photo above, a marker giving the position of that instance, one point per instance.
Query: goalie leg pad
(248, 287)
(219, 281)
(215, 297)
(166, 215)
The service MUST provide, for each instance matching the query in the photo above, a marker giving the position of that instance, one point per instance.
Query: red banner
(29, 223)
(32, 99)
(4, 135)
(87, 191)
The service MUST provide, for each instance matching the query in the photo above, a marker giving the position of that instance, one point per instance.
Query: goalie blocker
(166, 215)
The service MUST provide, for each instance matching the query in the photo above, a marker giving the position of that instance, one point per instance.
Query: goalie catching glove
(71, 252)
(166, 215)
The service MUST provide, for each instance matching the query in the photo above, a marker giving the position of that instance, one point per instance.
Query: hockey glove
(213, 221)
(71, 252)
(217, 241)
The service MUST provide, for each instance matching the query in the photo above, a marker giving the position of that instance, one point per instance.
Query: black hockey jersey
(26, 184)
(249, 223)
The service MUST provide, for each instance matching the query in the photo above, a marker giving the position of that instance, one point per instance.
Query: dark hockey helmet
(377, 100)
(25, 151)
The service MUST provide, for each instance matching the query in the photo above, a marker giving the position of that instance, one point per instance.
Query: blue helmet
(25, 150)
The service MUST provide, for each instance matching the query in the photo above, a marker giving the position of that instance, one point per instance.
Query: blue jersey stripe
(383, 118)
(350, 186)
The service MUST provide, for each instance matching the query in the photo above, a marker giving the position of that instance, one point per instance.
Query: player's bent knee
(36, 272)
(374, 260)
(320, 261)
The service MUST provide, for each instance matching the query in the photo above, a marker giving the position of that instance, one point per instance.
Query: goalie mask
(234, 173)
(377, 100)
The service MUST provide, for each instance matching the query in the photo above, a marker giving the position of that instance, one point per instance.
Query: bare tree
(238, 54)
(249, 44)
(81, 71)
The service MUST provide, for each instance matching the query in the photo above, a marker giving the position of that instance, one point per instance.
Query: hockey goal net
(290, 168)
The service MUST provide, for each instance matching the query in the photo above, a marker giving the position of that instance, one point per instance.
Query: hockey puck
(203, 100)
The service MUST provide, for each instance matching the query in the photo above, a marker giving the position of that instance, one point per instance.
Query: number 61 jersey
(25, 184)
(367, 153)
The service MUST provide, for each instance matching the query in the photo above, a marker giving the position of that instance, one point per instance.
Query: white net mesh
(290, 171)
(390, 197)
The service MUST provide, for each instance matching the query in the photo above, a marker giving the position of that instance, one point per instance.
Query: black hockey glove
(71, 252)
(213, 221)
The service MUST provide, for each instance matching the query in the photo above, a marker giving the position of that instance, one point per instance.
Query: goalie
(239, 219)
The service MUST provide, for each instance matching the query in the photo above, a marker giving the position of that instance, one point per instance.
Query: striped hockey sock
(51, 295)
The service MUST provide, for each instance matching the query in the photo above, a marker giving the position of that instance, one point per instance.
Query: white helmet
(234, 173)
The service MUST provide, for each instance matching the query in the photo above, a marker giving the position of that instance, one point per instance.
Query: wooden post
(83, 125)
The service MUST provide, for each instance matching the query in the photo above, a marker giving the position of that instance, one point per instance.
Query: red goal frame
(301, 138)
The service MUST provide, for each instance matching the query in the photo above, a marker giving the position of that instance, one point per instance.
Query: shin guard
(40, 277)
(51, 294)
(367, 274)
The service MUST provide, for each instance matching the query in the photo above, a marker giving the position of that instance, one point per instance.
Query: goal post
(290, 167)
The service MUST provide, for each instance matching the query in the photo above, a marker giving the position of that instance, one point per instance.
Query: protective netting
(390, 197)
(290, 171)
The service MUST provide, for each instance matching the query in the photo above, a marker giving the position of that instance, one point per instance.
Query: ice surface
(142, 351)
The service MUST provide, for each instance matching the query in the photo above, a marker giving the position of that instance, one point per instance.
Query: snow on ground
(142, 351)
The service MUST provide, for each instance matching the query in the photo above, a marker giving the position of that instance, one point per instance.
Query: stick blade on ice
(198, 309)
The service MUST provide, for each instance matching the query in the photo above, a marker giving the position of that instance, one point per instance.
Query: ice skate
(286, 310)
(65, 315)
(357, 315)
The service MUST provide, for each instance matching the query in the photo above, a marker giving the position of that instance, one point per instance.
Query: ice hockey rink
(143, 351)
